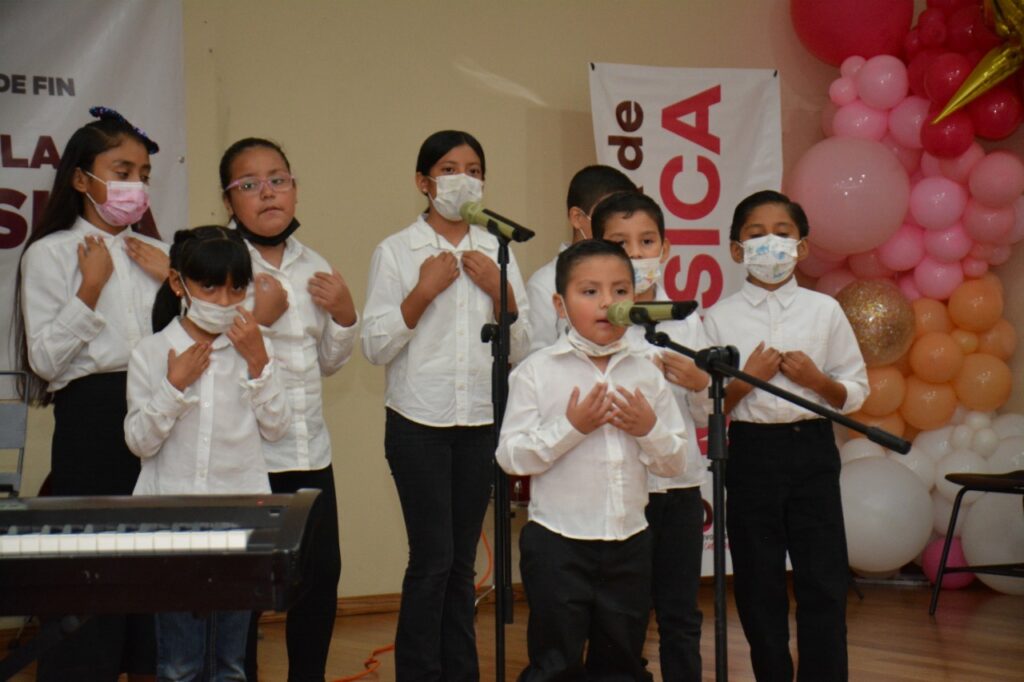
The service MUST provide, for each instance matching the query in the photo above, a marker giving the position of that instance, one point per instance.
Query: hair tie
(108, 114)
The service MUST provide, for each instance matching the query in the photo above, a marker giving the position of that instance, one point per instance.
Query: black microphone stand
(721, 362)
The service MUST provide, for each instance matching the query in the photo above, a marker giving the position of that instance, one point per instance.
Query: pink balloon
(882, 82)
(932, 556)
(948, 245)
(843, 91)
(937, 280)
(867, 265)
(831, 283)
(907, 286)
(855, 193)
(937, 203)
(930, 167)
(828, 112)
(982, 251)
(1017, 233)
(910, 159)
(815, 266)
(959, 168)
(987, 224)
(826, 254)
(906, 119)
(857, 119)
(1000, 255)
(998, 179)
(851, 65)
(904, 249)
(974, 267)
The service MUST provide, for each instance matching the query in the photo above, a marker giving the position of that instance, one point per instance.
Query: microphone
(475, 214)
(626, 313)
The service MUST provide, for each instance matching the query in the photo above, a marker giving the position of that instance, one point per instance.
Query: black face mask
(259, 239)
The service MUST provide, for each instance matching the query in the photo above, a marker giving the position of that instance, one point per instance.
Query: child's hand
(593, 413)
(96, 266)
(763, 363)
(801, 370)
(152, 260)
(484, 273)
(632, 413)
(270, 300)
(682, 371)
(329, 291)
(248, 341)
(437, 274)
(184, 369)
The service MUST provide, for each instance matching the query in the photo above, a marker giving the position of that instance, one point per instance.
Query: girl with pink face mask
(87, 281)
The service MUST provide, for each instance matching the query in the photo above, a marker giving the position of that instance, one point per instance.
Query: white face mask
(212, 318)
(588, 347)
(453, 191)
(770, 259)
(646, 273)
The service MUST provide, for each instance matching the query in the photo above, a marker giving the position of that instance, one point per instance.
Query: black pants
(591, 594)
(783, 495)
(676, 518)
(310, 621)
(443, 477)
(89, 457)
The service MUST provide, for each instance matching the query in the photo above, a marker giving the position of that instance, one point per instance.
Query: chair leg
(945, 551)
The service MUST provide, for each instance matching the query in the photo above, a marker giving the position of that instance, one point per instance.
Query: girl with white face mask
(432, 287)
(85, 294)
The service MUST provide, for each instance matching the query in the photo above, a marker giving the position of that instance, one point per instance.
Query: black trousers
(585, 594)
(443, 477)
(89, 457)
(783, 495)
(310, 621)
(676, 519)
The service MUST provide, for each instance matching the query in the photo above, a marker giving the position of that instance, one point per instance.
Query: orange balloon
(976, 305)
(968, 341)
(983, 383)
(936, 357)
(1000, 340)
(893, 423)
(993, 279)
(910, 432)
(931, 316)
(887, 390)
(927, 406)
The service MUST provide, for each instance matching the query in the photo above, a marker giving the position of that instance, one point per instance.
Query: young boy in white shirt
(587, 419)
(783, 471)
(586, 189)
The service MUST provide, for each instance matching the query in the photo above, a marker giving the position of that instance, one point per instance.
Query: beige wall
(352, 88)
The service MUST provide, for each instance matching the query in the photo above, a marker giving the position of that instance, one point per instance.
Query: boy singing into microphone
(587, 419)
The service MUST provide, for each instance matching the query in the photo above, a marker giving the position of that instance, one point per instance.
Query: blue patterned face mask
(770, 259)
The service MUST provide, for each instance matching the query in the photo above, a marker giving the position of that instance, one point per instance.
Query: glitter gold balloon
(881, 317)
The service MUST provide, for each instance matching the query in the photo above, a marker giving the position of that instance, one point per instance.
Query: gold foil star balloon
(1007, 18)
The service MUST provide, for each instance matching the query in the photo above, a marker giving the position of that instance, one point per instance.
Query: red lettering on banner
(630, 116)
(7, 157)
(700, 264)
(695, 237)
(13, 228)
(45, 153)
(677, 206)
(700, 105)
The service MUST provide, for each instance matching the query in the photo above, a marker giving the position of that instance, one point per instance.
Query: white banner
(59, 59)
(698, 141)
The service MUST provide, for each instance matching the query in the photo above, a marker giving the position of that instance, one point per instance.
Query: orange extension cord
(372, 663)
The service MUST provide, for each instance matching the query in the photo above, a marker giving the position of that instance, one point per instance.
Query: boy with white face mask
(783, 471)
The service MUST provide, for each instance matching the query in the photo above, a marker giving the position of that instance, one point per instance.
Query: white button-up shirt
(545, 325)
(789, 318)
(438, 374)
(307, 344)
(67, 339)
(587, 486)
(207, 438)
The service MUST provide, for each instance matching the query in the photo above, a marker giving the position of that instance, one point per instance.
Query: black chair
(1011, 483)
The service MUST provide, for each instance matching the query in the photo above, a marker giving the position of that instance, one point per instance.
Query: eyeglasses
(278, 184)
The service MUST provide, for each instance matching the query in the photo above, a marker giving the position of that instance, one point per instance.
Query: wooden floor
(976, 636)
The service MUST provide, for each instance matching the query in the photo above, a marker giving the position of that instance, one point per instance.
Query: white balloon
(961, 438)
(942, 509)
(1009, 456)
(935, 442)
(887, 512)
(921, 464)
(994, 534)
(959, 462)
(978, 420)
(858, 448)
(985, 441)
(1009, 425)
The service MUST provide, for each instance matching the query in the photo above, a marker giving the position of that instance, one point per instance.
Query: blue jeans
(205, 647)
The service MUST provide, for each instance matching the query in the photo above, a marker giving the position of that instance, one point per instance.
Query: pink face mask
(126, 202)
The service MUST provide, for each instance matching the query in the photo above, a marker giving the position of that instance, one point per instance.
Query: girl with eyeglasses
(432, 287)
(311, 321)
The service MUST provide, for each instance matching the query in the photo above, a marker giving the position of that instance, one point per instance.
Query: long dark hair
(63, 208)
(210, 255)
